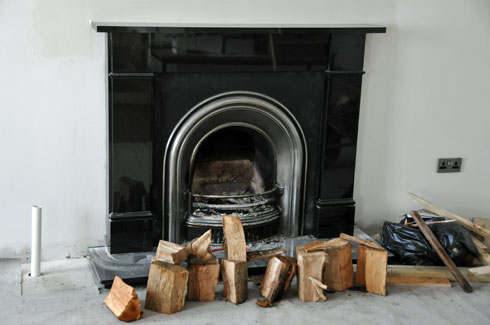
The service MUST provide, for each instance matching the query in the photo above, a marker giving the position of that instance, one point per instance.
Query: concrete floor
(66, 294)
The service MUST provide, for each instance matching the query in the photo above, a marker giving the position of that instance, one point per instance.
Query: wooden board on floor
(441, 272)
(418, 282)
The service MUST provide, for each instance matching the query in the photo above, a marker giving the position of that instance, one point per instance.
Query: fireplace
(256, 122)
(236, 153)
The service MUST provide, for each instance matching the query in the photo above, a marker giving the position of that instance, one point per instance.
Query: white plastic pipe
(37, 212)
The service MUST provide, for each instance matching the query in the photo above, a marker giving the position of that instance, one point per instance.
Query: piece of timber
(210, 259)
(319, 287)
(316, 246)
(429, 235)
(172, 253)
(338, 274)
(199, 247)
(418, 282)
(361, 265)
(235, 245)
(361, 241)
(262, 255)
(449, 215)
(440, 272)
(482, 270)
(167, 283)
(484, 257)
(278, 276)
(376, 270)
(310, 265)
(123, 301)
(203, 280)
(483, 222)
(235, 280)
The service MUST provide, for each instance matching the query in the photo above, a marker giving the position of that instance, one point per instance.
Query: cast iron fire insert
(161, 77)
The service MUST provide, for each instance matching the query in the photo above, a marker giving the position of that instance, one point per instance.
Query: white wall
(425, 96)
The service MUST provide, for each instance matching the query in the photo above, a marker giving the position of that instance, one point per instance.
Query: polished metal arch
(246, 109)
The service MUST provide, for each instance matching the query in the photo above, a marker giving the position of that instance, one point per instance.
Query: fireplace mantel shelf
(114, 26)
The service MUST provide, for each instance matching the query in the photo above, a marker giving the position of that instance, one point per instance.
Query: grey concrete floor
(65, 294)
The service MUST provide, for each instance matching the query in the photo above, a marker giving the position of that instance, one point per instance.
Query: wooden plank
(484, 257)
(203, 280)
(310, 265)
(418, 282)
(167, 283)
(483, 222)
(440, 272)
(262, 255)
(123, 301)
(482, 270)
(376, 270)
(449, 215)
(441, 252)
(235, 245)
(338, 274)
(172, 253)
(361, 265)
(235, 280)
(364, 242)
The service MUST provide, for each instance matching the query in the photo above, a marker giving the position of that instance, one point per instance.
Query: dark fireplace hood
(276, 107)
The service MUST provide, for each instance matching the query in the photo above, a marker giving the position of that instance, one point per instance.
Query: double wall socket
(449, 165)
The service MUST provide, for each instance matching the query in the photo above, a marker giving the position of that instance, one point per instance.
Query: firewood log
(172, 253)
(278, 276)
(339, 274)
(310, 265)
(361, 265)
(235, 245)
(198, 249)
(376, 270)
(235, 280)
(167, 283)
(203, 280)
(123, 301)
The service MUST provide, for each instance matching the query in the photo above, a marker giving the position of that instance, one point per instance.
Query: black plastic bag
(410, 246)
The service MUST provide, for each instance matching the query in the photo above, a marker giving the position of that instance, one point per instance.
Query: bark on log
(235, 245)
(310, 265)
(339, 274)
(123, 301)
(262, 255)
(172, 253)
(235, 280)
(203, 280)
(278, 276)
(167, 283)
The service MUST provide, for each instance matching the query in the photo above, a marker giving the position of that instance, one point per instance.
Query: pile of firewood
(320, 265)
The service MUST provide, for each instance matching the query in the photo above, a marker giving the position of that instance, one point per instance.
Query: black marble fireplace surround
(198, 112)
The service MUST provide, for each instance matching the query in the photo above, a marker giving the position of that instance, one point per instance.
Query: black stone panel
(335, 219)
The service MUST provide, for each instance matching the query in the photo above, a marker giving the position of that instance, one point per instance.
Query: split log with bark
(235, 280)
(167, 284)
(277, 279)
(123, 301)
(203, 280)
(311, 267)
(172, 253)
